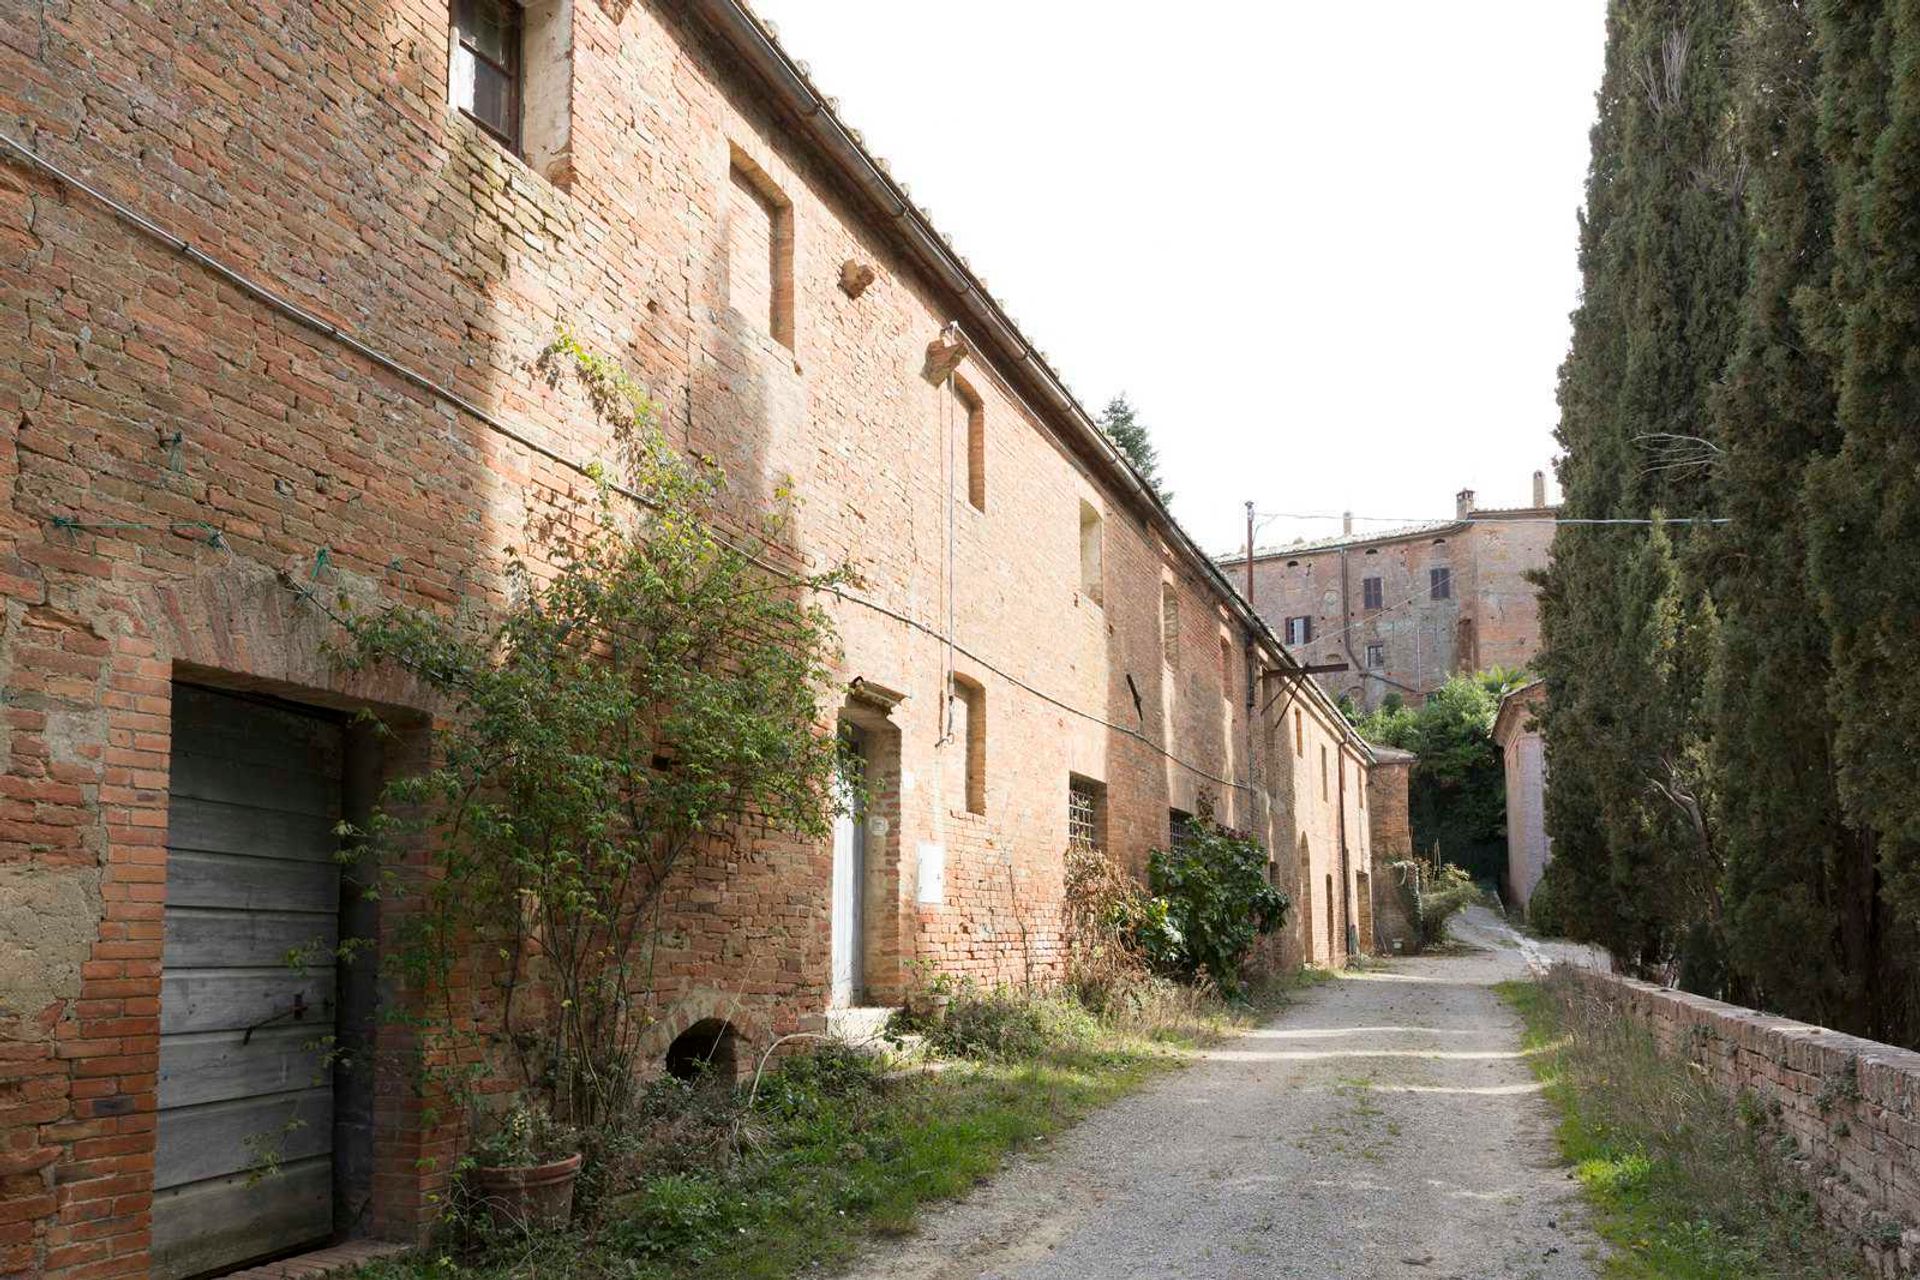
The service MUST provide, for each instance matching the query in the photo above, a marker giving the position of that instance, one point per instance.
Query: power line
(1434, 521)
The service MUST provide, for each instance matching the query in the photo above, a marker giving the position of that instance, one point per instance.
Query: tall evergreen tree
(1125, 429)
(1863, 503)
(1627, 622)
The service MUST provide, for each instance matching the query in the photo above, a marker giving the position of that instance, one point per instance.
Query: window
(759, 250)
(1179, 828)
(1371, 595)
(1090, 574)
(1299, 735)
(969, 730)
(1299, 630)
(1440, 584)
(1226, 667)
(1376, 656)
(1169, 623)
(971, 412)
(1086, 814)
(486, 66)
(1323, 771)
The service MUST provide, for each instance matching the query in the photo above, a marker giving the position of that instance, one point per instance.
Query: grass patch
(1683, 1181)
(834, 1150)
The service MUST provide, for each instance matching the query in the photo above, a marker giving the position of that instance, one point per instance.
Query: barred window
(1376, 656)
(1086, 813)
(1179, 828)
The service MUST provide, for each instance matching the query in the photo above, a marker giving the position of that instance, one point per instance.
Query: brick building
(1516, 731)
(1406, 608)
(274, 287)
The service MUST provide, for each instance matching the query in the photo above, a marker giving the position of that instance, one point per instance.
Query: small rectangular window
(970, 732)
(971, 430)
(1323, 771)
(1086, 814)
(1376, 656)
(1299, 735)
(1169, 623)
(486, 66)
(759, 250)
(1179, 828)
(1440, 583)
(1090, 553)
(1299, 630)
(1371, 595)
(1226, 667)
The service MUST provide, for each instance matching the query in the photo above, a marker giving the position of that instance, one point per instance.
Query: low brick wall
(1849, 1104)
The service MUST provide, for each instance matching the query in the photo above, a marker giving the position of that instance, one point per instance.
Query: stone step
(861, 1026)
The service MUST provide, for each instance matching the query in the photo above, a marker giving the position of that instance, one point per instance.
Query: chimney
(1463, 504)
(1346, 522)
(1539, 488)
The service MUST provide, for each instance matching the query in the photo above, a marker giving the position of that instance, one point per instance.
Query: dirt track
(1385, 1125)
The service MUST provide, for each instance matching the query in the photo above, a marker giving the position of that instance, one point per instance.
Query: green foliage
(1442, 895)
(647, 689)
(1684, 1182)
(1218, 902)
(1456, 792)
(1001, 1024)
(526, 1134)
(1131, 435)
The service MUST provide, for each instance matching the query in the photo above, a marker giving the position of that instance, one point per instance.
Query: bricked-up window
(1170, 623)
(486, 81)
(1299, 734)
(970, 736)
(1086, 813)
(1440, 583)
(971, 418)
(759, 250)
(1091, 572)
(1371, 594)
(1376, 656)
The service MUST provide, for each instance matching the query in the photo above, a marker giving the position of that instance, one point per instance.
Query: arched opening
(707, 1050)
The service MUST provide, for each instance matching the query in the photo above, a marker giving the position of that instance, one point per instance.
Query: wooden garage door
(244, 1165)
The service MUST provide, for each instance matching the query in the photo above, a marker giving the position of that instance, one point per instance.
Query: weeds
(1686, 1182)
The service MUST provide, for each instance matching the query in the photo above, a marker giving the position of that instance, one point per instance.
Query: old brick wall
(1523, 751)
(1392, 841)
(1849, 1105)
(175, 454)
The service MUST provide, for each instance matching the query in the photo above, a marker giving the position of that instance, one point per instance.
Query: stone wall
(1387, 784)
(1524, 754)
(1851, 1106)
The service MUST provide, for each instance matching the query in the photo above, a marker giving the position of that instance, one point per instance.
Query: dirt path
(1383, 1126)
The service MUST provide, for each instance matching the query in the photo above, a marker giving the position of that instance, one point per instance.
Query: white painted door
(849, 871)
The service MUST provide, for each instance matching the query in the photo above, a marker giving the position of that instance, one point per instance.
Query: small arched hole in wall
(707, 1050)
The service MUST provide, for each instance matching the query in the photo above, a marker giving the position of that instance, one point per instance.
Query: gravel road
(1384, 1125)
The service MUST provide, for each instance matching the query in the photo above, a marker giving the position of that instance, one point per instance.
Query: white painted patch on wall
(933, 873)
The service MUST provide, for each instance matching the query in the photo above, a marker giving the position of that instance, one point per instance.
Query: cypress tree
(1125, 429)
(1627, 623)
(1863, 503)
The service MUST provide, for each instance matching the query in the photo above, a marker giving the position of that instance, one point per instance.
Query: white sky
(1328, 249)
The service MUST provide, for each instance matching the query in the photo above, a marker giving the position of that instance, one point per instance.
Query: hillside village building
(1402, 610)
(275, 284)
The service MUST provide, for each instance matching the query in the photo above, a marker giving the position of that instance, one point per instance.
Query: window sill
(472, 131)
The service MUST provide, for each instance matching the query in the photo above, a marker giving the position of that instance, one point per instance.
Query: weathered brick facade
(180, 455)
(1392, 842)
(1523, 752)
(1371, 600)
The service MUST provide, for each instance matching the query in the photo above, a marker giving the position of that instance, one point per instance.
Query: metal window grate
(1083, 814)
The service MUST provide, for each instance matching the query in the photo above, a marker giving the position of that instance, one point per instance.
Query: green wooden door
(244, 1162)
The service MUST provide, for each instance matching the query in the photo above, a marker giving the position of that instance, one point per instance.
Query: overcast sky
(1327, 249)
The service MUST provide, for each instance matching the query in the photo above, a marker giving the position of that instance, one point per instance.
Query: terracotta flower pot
(529, 1196)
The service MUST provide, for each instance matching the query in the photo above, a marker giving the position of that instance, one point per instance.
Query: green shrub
(1434, 897)
(1218, 901)
(1000, 1024)
(1544, 915)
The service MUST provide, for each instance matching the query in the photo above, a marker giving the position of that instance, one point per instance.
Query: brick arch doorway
(866, 932)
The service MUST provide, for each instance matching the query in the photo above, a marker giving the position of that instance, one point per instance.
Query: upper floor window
(1323, 771)
(1299, 630)
(972, 415)
(1090, 552)
(1226, 667)
(1376, 656)
(1169, 623)
(759, 250)
(1299, 734)
(1440, 584)
(486, 81)
(1372, 596)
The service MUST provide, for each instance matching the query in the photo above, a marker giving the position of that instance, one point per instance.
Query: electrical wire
(261, 293)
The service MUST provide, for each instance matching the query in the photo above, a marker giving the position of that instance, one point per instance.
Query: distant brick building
(1517, 733)
(1406, 608)
(275, 282)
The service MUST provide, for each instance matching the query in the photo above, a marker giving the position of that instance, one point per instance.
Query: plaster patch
(48, 921)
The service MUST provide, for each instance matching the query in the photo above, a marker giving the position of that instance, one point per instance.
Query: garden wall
(1848, 1104)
